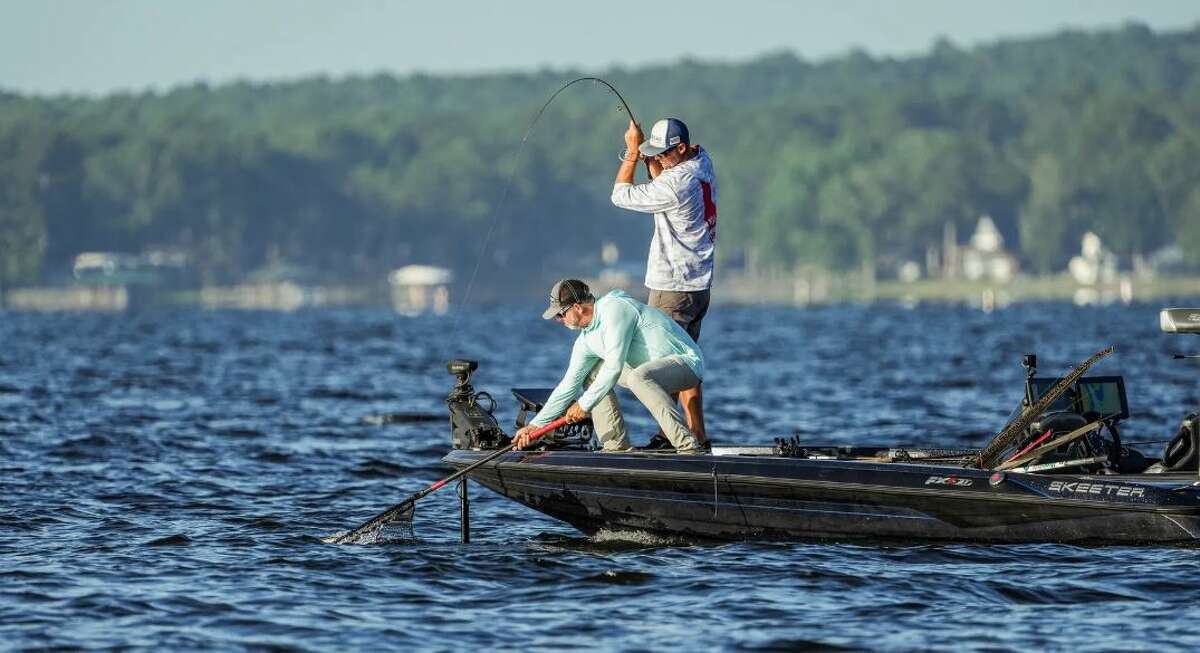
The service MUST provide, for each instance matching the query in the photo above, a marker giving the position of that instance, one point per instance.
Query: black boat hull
(761, 497)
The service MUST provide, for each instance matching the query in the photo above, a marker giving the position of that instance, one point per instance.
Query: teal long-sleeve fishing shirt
(623, 332)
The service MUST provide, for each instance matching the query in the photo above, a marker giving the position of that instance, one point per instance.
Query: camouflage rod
(1005, 437)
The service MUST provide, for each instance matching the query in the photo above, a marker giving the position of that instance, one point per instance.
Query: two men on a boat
(621, 340)
(650, 349)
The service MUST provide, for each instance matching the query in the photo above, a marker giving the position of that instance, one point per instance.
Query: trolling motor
(472, 425)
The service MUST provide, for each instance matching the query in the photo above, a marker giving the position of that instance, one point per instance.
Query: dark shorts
(687, 309)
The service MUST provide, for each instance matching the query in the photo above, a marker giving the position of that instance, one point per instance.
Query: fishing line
(512, 173)
(456, 321)
(496, 211)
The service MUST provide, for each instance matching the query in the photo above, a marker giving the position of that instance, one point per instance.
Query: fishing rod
(516, 157)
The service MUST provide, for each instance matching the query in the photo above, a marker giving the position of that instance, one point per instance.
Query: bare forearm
(626, 171)
(633, 138)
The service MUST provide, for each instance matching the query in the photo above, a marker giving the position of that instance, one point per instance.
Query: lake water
(166, 477)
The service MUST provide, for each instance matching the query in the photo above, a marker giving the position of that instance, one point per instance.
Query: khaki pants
(652, 383)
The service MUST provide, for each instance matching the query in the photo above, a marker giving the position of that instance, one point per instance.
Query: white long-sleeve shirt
(683, 199)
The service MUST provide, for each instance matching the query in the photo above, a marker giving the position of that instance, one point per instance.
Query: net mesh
(394, 525)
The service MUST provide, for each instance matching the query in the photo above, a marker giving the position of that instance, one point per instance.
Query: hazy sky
(93, 46)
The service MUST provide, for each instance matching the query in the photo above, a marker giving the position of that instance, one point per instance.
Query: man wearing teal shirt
(623, 341)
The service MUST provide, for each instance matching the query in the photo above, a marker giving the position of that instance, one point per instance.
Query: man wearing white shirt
(682, 197)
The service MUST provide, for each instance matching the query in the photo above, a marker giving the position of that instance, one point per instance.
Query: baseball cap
(565, 294)
(664, 135)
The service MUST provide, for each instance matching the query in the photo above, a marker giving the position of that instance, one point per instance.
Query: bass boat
(1057, 473)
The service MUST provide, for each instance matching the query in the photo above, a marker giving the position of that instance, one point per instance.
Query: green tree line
(856, 162)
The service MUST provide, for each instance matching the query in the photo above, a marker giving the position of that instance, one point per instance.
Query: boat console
(1083, 420)
(1102, 401)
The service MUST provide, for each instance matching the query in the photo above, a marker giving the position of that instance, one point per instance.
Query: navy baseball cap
(664, 135)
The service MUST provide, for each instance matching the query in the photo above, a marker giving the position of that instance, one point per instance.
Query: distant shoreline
(731, 290)
(820, 290)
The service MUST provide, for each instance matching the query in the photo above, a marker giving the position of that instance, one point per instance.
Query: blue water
(166, 477)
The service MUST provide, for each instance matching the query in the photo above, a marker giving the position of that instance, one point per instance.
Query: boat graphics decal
(949, 480)
(1103, 489)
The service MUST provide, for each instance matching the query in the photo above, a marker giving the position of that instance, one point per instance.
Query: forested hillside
(851, 163)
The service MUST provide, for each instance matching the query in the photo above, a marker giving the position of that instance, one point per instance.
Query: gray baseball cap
(565, 294)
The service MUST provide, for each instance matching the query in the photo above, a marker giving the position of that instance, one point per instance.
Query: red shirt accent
(710, 211)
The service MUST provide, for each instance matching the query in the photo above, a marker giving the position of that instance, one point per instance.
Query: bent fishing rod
(516, 157)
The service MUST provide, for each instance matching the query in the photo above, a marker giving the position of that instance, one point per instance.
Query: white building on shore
(421, 288)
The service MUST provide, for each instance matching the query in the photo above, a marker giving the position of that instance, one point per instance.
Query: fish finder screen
(1104, 395)
(1095, 394)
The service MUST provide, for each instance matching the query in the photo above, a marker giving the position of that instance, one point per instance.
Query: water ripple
(174, 496)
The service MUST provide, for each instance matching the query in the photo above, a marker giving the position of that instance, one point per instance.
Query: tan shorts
(687, 309)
